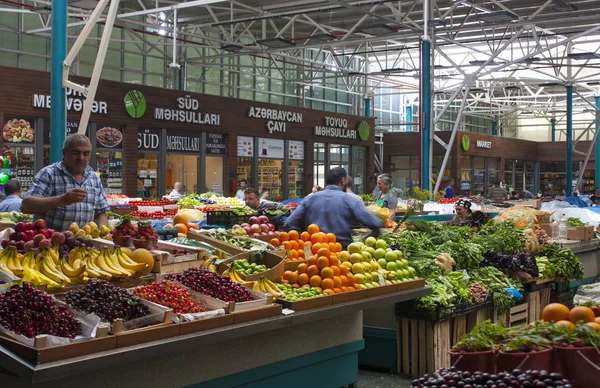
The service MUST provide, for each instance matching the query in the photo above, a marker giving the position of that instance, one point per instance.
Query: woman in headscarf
(463, 211)
(386, 199)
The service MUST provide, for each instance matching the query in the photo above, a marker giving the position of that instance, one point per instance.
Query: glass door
(214, 174)
(147, 175)
(182, 168)
(478, 183)
(358, 169)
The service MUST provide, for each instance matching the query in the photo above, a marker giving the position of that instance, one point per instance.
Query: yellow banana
(273, 289)
(13, 263)
(53, 274)
(104, 266)
(77, 263)
(74, 254)
(69, 271)
(28, 260)
(127, 263)
(3, 262)
(114, 261)
(256, 286)
(92, 268)
(39, 279)
(53, 253)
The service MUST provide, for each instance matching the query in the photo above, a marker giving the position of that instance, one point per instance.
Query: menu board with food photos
(245, 146)
(18, 130)
(109, 136)
(296, 150)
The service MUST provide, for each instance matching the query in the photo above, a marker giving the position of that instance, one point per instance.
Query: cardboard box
(543, 217)
(582, 233)
(547, 227)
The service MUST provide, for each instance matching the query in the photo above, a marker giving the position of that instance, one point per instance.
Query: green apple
(371, 241)
(363, 286)
(391, 266)
(366, 256)
(391, 256)
(382, 262)
(369, 285)
(381, 244)
(379, 253)
(359, 278)
(375, 276)
(388, 283)
(405, 274)
(399, 254)
(356, 258)
(358, 268)
(404, 263)
(355, 248)
(371, 251)
(368, 276)
(391, 275)
(412, 271)
(366, 266)
(374, 264)
(375, 284)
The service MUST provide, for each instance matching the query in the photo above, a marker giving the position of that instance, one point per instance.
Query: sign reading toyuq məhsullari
(187, 112)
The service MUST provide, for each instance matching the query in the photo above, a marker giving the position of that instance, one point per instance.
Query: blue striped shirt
(55, 180)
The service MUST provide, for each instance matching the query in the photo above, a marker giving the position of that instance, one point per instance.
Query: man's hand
(73, 196)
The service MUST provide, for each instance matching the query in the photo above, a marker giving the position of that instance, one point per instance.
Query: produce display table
(317, 347)
(588, 254)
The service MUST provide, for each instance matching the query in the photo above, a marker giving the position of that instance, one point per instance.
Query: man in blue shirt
(449, 190)
(333, 210)
(13, 200)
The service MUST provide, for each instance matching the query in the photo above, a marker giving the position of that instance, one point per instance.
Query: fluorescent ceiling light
(44, 10)
(323, 37)
(481, 63)
(397, 70)
(377, 29)
(594, 83)
(557, 111)
(356, 73)
(232, 47)
(276, 43)
(497, 17)
(512, 87)
(582, 56)
(550, 84)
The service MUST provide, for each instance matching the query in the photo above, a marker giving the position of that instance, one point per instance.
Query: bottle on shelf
(563, 228)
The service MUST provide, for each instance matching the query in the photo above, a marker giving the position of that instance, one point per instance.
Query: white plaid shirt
(54, 180)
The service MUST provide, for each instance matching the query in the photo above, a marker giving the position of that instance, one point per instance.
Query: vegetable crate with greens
(412, 310)
(229, 217)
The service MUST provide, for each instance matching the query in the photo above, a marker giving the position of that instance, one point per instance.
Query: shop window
(269, 177)
(295, 179)
(319, 149)
(214, 174)
(401, 172)
(319, 174)
(147, 173)
(358, 169)
(182, 168)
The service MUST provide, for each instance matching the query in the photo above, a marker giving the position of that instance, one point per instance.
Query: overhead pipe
(553, 124)
(425, 165)
(569, 161)
(597, 145)
(58, 108)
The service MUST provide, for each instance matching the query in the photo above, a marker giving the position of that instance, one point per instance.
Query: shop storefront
(146, 139)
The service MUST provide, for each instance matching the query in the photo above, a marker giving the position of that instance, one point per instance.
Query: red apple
(20, 245)
(4, 243)
(40, 224)
(255, 228)
(271, 227)
(30, 226)
(30, 234)
(20, 236)
(254, 220)
(38, 237)
(19, 227)
(29, 245)
(57, 238)
(47, 233)
(263, 219)
(45, 243)
(264, 228)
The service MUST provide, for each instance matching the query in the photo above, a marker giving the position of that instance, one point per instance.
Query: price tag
(143, 174)
(307, 252)
(287, 311)
(152, 174)
(381, 279)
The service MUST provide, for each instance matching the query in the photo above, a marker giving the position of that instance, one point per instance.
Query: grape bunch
(28, 311)
(451, 377)
(170, 295)
(212, 284)
(106, 301)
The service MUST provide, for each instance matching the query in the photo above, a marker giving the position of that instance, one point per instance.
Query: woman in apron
(386, 199)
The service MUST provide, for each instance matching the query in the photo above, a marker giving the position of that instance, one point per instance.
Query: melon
(142, 255)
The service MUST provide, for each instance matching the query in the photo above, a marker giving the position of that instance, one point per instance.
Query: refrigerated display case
(109, 165)
(22, 164)
(269, 177)
(295, 179)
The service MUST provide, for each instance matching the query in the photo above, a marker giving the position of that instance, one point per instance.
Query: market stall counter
(292, 350)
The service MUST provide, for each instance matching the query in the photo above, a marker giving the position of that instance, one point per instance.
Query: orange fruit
(293, 254)
(191, 226)
(343, 270)
(581, 313)
(331, 237)
(333, 260)
(275, 242)
(322, 262)
(301, 253)
(302, 268)
(323, 252)
(336, 270)
(294, 244)
(306, 285)
(344, 280)
(286, 275)
(337, 281)
(312, 229)
(327, 284)
(312, 260)
(313, 270)
(350, 277)
(337, 290)
(594, 325)
(300, 244)
(332, 247)
(286, 245)
(308, 244)
(344, 288)
(315, 281)
(303, 279)
(324, 237)
(327, 273)
(569, 324)
(295, 285)
(315, 248)
(555, 312)
(305, 236)
(181, 219)
(293, 234)
(293, 277)
(328, 291)
(357, 287)
(316, 238)
(181, 228)
(283, 236)
(338, 247)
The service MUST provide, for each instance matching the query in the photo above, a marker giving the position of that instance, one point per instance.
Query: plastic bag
(517, 296)
(588, 293)
(379, 212)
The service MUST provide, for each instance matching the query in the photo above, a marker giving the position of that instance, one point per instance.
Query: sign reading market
(187, 111)
(276, 119)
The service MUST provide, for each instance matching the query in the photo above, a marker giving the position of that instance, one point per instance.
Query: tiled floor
(374, 379)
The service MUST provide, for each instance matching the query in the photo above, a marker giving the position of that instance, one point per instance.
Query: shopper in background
(241, 189)
(350, 187)
(595, 198)
(13, 200)
(315, 189)
(177, 192)
(497, 193)
(386, 198)
(265, 194)
(526, 194)
(333, 210)
(68, 191)
(513, 195)
(254, 201)
(376, 192)
(449, 190)
(463, 211)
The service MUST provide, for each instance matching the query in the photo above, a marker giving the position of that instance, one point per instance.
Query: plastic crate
(411, 310)
(226, 218)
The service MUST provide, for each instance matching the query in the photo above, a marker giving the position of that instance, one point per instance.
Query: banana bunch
(10, 262)
(233, 274)
(210, 264)
(117, 264)
(267, 286)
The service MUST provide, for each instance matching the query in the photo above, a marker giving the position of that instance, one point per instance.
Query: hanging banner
(296, 150)
(183, 141)
(271, 148)
(245, 146)
(148, 139)
(215, 144)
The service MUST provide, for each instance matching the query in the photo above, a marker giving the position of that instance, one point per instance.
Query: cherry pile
(451, 377)
(212, 284)
(106, 301)
(30, 312)
(170, 295)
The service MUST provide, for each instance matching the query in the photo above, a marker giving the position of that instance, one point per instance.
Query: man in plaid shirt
(68, 191)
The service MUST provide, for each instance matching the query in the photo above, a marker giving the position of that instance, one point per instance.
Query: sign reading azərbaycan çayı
(276, 119)
(187, 112)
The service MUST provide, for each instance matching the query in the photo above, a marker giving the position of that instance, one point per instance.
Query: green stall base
(333, 367)
(437, 217)
(380, 350)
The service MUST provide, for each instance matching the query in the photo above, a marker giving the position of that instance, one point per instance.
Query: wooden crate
(537, 301)
(517, 315)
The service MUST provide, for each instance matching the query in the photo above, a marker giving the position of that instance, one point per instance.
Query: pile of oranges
(322, 269)
(561, 315)
(301, 246)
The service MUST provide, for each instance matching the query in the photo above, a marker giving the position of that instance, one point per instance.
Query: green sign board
(363, 130)
(466, 142)
(135, 103)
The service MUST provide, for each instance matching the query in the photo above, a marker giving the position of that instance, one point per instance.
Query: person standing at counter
(350, 186)
(177, 192)
(254, 201)
(68, 191)
(239, 194)
(497, 193)
(449, 190)
(386, 198)
(333, 210)
(13, 200)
